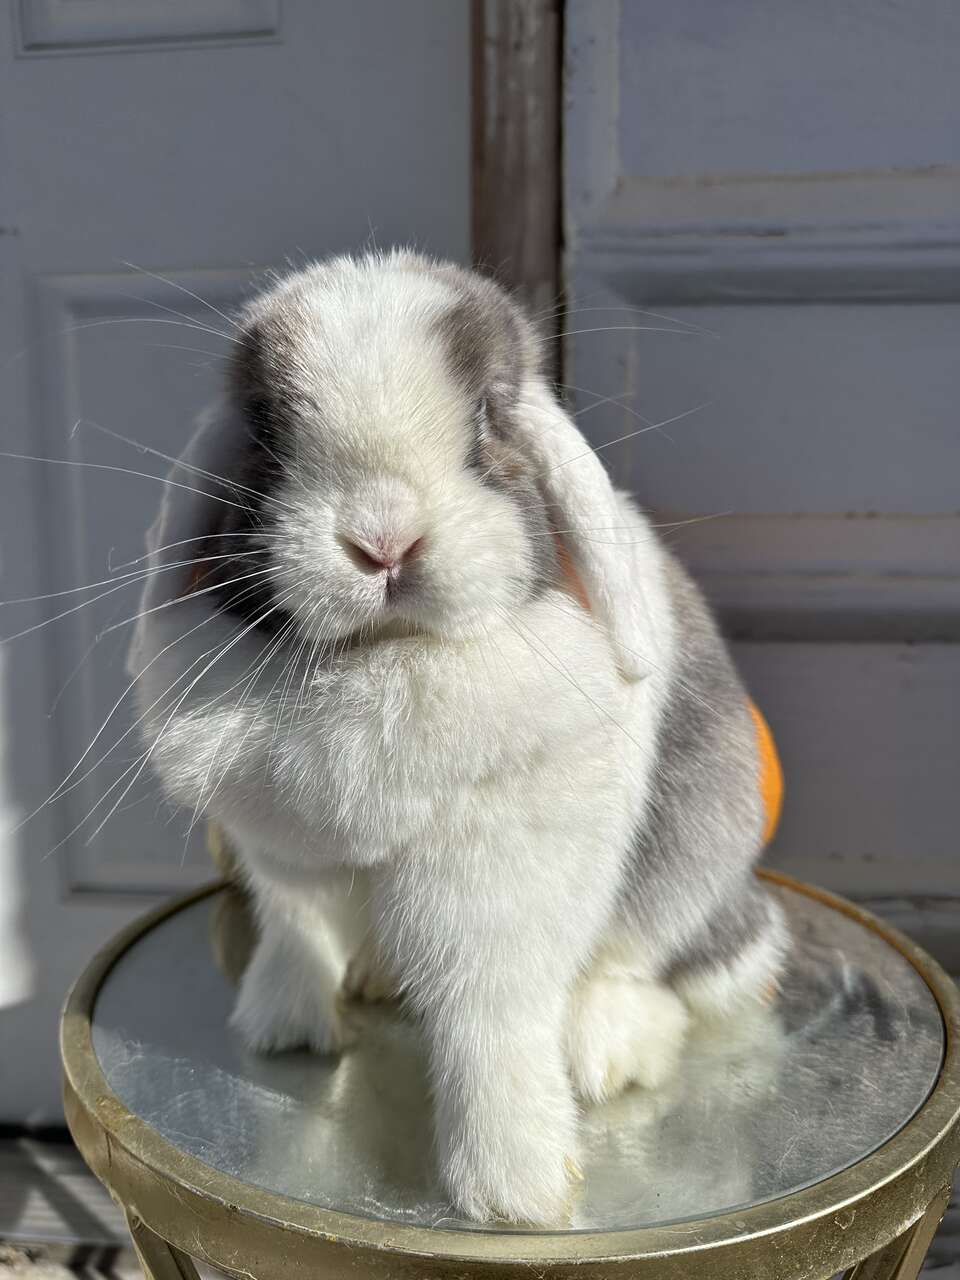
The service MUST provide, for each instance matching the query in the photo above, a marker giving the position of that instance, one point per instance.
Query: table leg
(902, 1258)
(160, 1260)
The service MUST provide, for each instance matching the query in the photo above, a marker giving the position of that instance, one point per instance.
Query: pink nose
(382, 553)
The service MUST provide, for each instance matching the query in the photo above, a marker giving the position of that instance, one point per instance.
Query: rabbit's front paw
(623, 1031)
(517, 1173)
(279, 1009)
(533, 1190)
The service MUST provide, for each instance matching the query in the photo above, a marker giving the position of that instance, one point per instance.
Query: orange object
(771, 774)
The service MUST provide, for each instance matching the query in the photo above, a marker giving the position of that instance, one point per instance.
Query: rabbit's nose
(382, 552)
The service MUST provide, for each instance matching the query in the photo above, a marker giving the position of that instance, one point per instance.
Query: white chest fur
(382, 748)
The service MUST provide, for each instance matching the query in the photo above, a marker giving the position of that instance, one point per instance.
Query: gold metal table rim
(814, 1233)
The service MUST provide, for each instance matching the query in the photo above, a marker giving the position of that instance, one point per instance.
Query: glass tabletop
(763, 1106)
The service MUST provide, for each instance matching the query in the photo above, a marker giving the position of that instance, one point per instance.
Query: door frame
(516, 145)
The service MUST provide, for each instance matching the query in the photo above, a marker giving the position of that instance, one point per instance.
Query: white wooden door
(782, 180)
(202, 140)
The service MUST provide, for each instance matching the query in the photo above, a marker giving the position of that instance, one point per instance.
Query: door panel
(204, 142)
(763, 256)
(120, 362)
(804, 408)
(755, 87)
(49, 26)
(869, 731)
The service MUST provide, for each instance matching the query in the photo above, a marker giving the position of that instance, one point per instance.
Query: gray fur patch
(466, 333)
(729, 930)
(262, 401)
(500, 467)
(491, 348)
(260, 381)
(491, 345)
(701, 833)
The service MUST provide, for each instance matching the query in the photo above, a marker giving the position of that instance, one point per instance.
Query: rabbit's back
(689, 885)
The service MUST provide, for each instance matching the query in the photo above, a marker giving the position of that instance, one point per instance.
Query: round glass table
(817, 1136)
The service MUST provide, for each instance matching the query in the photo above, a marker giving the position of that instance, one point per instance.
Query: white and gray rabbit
(435, 677)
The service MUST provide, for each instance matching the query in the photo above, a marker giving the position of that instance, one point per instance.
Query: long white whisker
(63, 787)
(128, 580)
(187, 466)
(266, 655)
(631, 542)
(140, 764)
(653, 426)
(262, 535)
(196, 351)
(188, 595)
(122, 578)
(290, 671)
(624, 328)
(66, 786)
(654, 315)
(103, 466)
(146, 759)
(172, 311)
(155, 275)
(184, 324)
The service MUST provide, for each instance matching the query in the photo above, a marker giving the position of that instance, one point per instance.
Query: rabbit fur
(537, 821)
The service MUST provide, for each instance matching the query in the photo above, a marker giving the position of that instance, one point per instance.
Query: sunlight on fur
(532, 810)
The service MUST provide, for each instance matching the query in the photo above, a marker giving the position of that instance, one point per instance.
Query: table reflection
(763, 1105)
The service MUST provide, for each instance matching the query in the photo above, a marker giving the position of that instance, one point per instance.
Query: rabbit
(442, 685)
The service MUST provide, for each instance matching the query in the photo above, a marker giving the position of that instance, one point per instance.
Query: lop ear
(198, 486)
(191, 507)
(583, 504)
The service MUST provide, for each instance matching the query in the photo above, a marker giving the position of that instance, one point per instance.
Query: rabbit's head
(405, 468)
